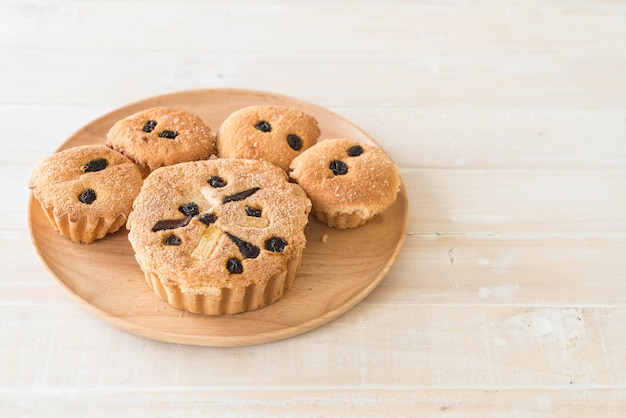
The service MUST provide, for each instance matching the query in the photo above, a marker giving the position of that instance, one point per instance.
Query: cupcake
(161, 136)
(87, 191)
(348, 182)
(220, 236)
(270, 133)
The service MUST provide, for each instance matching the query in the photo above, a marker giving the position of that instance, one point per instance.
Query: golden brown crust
(228, 300)
(176, 136)
(369, 186)
(59, 179)
(282, 212)
(239, 138)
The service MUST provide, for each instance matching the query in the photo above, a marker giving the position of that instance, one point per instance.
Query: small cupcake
(348, 182)
(161, 136)
(87, 191)
(270, 133)
(219, 236)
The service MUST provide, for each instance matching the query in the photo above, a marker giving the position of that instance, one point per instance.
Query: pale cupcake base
(342, 220)
(84, 230)
(227, 301)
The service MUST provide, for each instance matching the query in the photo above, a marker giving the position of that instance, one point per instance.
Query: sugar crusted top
(271, 133)
(161, 136)
(344, 176)
(59, 179)
(222, 209)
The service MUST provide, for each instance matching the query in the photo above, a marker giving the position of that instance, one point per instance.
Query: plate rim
(224, 340)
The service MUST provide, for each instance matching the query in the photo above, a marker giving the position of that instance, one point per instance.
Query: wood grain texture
(339, 268)
(314, 402)
(410, 80)
(507, 120)
(446, 347)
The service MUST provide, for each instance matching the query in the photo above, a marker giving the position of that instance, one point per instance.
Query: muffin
(219, 236)
(269, 133)
(348, 182)
(161, 136)
(87, 191)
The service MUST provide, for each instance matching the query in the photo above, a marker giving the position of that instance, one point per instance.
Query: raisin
(207, 218)
(172, 240)
(168, 134)
(241, 195)
(263, 126)
(354, 151)
(339, 168)
(253, 212)
(234, 266)
(275, 244)
(171, 224)
(217, 182)
(149, 126)
(95, 165)
(189, 209)
(87, 196)
(294, 142)
(247, 249)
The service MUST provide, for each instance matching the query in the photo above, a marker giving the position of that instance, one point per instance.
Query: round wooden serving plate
(339, 268)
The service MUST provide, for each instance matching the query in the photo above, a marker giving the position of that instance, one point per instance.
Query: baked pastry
(86, 191)
(219, 236)
(348, 182)
(161, 136)
(270, 133)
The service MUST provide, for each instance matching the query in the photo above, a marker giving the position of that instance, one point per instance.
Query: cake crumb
(324, 238)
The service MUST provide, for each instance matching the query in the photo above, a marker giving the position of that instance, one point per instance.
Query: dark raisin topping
(294, 142)
(241, 195)
(168, 134)
(263, 126)
(95, 165)
(217, 182)
(248, 250)
(207, 218)
(172, 240)
(189, 209)
(149, 126)
(275, 244)
(354, 151)
(234, 266)
(87, 196)
(253, 212)
(171, 224)
(339, 168)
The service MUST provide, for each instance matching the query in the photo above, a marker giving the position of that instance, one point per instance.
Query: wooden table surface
(508, 122)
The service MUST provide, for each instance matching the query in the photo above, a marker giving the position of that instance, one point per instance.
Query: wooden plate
(339, 268)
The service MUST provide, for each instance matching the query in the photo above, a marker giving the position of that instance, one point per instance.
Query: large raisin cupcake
(220, 236)
(270, 133)
(161, 136)
(87, 191)
(348, 182)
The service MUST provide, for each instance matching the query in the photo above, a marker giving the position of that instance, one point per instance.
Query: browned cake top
(89, 180)
(218, 223)
(345, 176)
(161, 136)
(270, 133)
